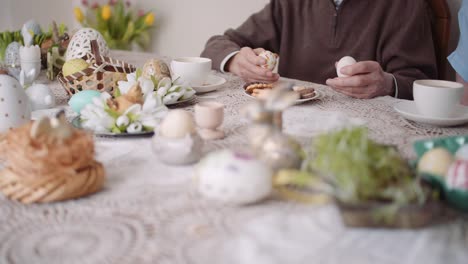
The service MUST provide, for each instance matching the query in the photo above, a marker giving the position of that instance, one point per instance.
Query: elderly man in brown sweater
(390, 39)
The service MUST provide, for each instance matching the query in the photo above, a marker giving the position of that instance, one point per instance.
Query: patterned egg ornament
(12, 59)
(80, 44)
(15, 109)
(457, 176)
(271, 59)
(156, 68)
(234, 178)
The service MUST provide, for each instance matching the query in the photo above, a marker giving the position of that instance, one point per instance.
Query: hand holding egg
(362, 80)
(251, 67)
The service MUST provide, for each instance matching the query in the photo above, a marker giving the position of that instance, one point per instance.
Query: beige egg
(436, 161)
(156, 68)
(177, 124)
(73, 66)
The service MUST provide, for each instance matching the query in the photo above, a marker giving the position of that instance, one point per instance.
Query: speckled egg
(80, 44)
(12, 54)
(457, 175)
(270, 58)
(177, 124)
(462, 153)
(234, 177)
(156, 68)
(79, 100)
(15, 109)
(343, 62)
(436, 161)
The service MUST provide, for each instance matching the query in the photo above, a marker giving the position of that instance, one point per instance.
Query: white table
(149, 212)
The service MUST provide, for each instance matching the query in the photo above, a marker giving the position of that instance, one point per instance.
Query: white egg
(80, 44)
(40, 96)
(15, 109)
(462, 153)
(343, 62)
(234, 178)
(177, 124)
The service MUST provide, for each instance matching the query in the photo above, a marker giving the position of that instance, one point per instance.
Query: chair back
(441, 33)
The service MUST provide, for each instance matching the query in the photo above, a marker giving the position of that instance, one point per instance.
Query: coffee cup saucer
(409, 111)
(212, 83)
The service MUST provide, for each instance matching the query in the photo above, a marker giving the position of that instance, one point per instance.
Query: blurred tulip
(78, 14)
(106, 12)
(149, 19)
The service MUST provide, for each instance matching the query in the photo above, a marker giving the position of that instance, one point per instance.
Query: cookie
(307, 93)
(250, 87)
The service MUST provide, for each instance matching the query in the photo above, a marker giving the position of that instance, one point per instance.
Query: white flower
(122, 121)
(94, 116)
(147, 85)
(135, 127)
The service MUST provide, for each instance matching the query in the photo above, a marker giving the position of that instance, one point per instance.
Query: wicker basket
(102, 75)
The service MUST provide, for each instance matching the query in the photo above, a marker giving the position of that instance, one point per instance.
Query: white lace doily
(149, 212)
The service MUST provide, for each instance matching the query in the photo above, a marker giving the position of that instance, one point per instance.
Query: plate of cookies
(262, 90)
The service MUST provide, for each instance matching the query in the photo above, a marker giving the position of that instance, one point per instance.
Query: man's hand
(246, 64)
(366, 80)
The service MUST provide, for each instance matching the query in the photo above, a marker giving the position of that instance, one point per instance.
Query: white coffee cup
(436, 98)
(191, 70)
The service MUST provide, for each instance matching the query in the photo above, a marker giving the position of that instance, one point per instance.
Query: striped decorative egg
(457, 176)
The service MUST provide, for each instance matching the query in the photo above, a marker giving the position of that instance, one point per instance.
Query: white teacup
(436, 98)
(191, 70)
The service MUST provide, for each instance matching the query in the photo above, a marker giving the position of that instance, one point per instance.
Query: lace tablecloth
(151, 213)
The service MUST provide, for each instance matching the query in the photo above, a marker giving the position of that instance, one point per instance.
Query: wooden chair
(441, 33)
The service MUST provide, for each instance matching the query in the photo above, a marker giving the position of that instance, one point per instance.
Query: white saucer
(317, 95)
(212, 83)
(409, 111)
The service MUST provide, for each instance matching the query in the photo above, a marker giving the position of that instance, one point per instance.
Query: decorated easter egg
(457, 175)
(80, 44)
(462, 153)
(234, 177)
(73, 66)
(156, 68)
(271, 59)
(40, 97)
(33, 26)
(343, 62)
(177, 124)
(79, 100)
(436, 161)
(14, 104)
(12, 54)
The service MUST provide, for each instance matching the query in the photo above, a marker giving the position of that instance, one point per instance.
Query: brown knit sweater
(311, 35)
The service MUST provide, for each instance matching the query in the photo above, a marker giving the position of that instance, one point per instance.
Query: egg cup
(208, 117)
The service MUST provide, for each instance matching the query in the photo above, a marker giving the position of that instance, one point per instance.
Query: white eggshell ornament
(462, 153)
(457, 176)
(234, 178)
(14, 104)
(436, 161)
(177, 124)
(343, 62)
(80, 44)
(40, 96)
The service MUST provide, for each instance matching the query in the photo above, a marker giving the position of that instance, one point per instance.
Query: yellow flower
(78, 14)
(106, 12)
(149, 19)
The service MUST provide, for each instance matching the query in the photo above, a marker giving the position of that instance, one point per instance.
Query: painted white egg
(457, 176)
(462, 153)
(234, 178)
(177, 124)
(40, 96)
(80, 44)
(343, 62)
(15, 109)
(436, 161)
(271, 59)
(12, 54)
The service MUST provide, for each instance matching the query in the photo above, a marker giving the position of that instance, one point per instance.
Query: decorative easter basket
(102, 75)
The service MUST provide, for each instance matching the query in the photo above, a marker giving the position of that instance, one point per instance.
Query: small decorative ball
(79, 100)
(436, 161)
(271, 59)
(177, 124)
(73, 66)
(156, 68)
(343, 62)
(80, 44)
(457, 176)
(234, 177)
